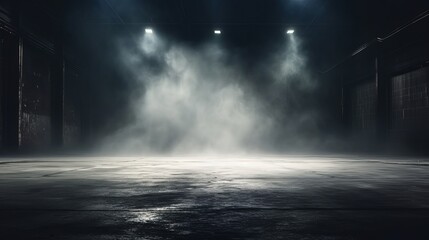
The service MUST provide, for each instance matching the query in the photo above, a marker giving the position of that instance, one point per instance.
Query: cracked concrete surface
(260, 197)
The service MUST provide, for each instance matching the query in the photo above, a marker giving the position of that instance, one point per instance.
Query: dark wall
(35, 128)
(41, 107)
(383, 91)
(73, 106)
(9, 78)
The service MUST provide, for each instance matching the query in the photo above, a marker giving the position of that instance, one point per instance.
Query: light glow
(148, 30)
(217, 32)
(290, 31)
(172, 113)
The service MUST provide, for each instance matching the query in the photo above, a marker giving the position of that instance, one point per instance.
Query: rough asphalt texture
(260, 197)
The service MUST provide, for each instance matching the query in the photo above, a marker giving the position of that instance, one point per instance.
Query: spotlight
(217, 32)
(290, 31)
(148, 30)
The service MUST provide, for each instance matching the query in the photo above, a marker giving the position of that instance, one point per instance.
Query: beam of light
(148, 30)
(197, 100)
(150, 42)
(290, 31)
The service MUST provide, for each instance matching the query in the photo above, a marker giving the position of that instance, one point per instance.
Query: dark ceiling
(232, 12)
(359, 20)
(305, 14)
(322, 23)
(330, 29)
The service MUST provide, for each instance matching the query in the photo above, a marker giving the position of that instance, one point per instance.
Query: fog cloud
(202, 100)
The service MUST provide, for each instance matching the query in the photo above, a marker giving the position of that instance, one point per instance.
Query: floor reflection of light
(145, 217)
(150, 214)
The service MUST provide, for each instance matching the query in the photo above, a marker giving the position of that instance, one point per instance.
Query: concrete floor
(290, 197)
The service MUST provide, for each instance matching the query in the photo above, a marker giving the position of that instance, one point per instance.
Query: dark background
(62, 88)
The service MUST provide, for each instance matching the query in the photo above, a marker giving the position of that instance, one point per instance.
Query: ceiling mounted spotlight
(217, 32)
(290, 31)
(148, 30)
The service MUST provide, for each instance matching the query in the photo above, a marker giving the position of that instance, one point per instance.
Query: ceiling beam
(121, 20)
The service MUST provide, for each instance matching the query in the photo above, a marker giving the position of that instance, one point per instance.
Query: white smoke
(200, 100)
